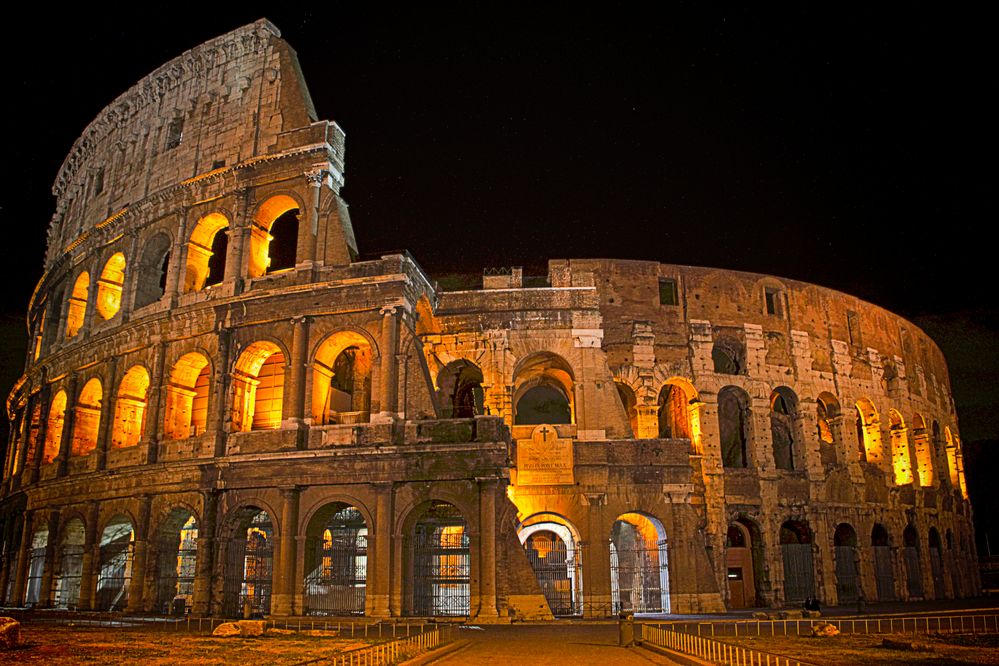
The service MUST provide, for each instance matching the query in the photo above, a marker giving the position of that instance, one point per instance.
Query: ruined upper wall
(218, 104)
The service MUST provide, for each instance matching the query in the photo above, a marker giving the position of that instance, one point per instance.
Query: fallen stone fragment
(10, 633)
(251, 628)
(824, 630)
(226, 630)
(273, 631)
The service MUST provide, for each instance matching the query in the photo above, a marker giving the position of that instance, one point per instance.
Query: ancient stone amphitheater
(225, 411)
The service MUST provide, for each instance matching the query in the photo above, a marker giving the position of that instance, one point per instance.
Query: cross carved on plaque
(544, 433)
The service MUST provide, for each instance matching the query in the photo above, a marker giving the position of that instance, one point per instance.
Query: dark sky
(846, 146)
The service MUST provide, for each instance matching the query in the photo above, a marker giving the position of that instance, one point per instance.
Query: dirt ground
(48, 644)
(865, 649)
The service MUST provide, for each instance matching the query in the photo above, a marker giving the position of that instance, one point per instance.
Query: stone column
(295, 407)
(308, 226)
(284, 569)
(487, 547)
(239, 232)
(62, 460)
(388, 385)
(48, 573)
(107, 415)
(154, 400)
(380, 575)
(35, 463)
(648, 421)
(23, 558)
(202, 602)
(596, 559)
(91, 558)
(137, 584)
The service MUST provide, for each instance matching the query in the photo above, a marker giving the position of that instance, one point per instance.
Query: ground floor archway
(440, 557)
(554, 551)
(336, 561)
(249, 564)
(639, 565)
(117, 548)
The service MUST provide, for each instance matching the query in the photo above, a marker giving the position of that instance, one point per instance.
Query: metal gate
(441, 563)
(67, 585)
(936, 568)
(338, 575)
(248, 572)
(913, 573)
(36, 567)
(799, 573)
(559, 570)
(638, 578)
(884, 573)
(846, 574)
(115, 575)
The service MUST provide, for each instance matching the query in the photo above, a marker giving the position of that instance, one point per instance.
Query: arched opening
(900, 459)
(117, 547)
(734, 418)
(543, 391)
(630, 405)
(36, 567)
(258, 388)
(913, 570)
(728, 356)
(743, 563)
(936, 564)
(130, 408)
(67, 580)
(336, 561)
(441, 575)
(554, 551)
(206, 253)
(783, 427)
(674, 412)
(186, 412)
(249, 565)
(88, 418)
(53, 428)
(151, 281)
(827, 411)
(109, 286)
(459, 390)
(796, 551)
(868, 432)
(884, 572)
(176, 562)
(274, 236)
(954, 462)
(847, 572)
(77, 311)
(924, 451)
(639, 565)
(341, 380)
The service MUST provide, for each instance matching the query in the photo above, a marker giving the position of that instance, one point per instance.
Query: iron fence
(714, 651)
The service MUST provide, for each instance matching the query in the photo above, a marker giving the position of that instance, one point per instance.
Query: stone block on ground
(226, 630)
(251, 628)
(10, 633)
(824, 630)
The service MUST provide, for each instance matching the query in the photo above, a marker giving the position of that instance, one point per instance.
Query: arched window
(459, 390)
(53, 428)
(924, 451)
(674, 413)
(258, 387)
(77, 312)
(88, 418)
(130, 408)
(109, 286)
(151, 280)
(629, 402)
(543, 390)
(868, 431)
(274, 236)
(341, 380)
(186, 412)
(206, 253)
(783, 426)
(734, 418)
(728, 356)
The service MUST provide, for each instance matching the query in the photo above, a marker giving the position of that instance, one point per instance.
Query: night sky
(845, 146)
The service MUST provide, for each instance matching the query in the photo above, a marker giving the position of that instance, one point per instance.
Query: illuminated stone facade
(223, 407)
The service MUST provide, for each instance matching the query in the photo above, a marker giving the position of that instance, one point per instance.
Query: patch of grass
(866, 649)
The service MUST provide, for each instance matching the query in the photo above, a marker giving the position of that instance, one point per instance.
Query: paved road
(551, 644)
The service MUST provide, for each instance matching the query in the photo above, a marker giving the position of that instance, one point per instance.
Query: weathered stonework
(718, 439)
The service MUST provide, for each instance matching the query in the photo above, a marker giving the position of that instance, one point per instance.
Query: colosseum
(225, 410)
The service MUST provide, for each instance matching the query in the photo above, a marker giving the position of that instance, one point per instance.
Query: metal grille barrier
(559, 571)
(639, 578)
(115, 575)
(441, 564)
(392, 651)
(67, 584)
(710, 650)
(922, 624)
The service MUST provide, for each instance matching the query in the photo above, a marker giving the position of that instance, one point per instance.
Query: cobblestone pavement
(555, 644)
